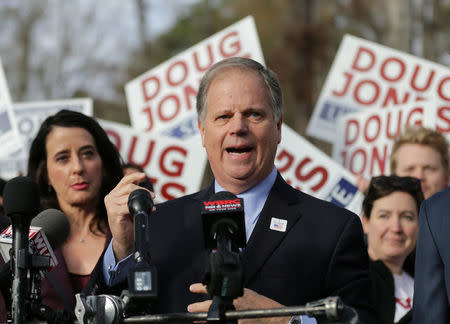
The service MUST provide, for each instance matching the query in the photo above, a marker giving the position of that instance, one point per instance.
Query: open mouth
(238, 150)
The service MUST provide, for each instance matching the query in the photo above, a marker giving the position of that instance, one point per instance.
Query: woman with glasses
(390, 221)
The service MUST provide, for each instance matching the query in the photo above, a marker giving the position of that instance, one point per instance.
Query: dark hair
(111, 160)
(382, 186)
(242, 63)
(146, 183)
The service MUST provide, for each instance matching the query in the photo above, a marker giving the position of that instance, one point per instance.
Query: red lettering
(233, 48)
(177, 164)
(393, 78)
(397, 130)
(367, 126)
(169, 74)
(412, 114)
(348, 139)
(414, 77)
(210, 61)
(391, 95)
(189, 93)
(349, 78)
(147, 110)
(312, 173)
(174, 112)
(441, 89)
(145, 86)
(148, 156)
(289, 160)
(369, 55)
(172, 185)
(353, 163)
(357, 92)
(381, 160)
(444, 115)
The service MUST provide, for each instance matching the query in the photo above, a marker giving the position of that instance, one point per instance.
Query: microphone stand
(20, 226)
(106, 309)
(223, 278)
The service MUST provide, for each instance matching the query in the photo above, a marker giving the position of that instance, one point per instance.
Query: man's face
(424, 163)
(239, 132)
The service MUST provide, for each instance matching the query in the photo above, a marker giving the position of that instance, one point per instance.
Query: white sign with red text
(175, 167)
(28, 119)
(366, 75)
(164, 95)
(9, 136)
(364, 140)
(307, 168)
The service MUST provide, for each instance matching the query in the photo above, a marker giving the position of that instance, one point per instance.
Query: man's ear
(279, 125)
(202, 131)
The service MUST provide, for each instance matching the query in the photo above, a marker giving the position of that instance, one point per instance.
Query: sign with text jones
(28, 119)
(365, 75)
(307, 168)
(162, 96)
(175, 167)
(364, 139)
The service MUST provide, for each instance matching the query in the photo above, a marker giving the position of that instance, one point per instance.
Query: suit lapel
(282, 203)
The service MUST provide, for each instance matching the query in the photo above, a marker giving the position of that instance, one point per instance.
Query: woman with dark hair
(390, 221)
(75, 165)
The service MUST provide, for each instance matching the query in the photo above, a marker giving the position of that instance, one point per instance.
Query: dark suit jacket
(383, 294)
(432, 274)
(321, 253)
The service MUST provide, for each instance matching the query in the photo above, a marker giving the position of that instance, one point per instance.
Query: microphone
(48, 231)
(223, 217)
(20, 202)
(140, 205)
(142, 279)
(224, 232)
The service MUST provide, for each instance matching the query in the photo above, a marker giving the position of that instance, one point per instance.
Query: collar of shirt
(254, 200)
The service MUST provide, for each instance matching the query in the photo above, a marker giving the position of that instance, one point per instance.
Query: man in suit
(432, 274)
(316, 251)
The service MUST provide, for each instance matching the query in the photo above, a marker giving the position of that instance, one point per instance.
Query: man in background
(421, 153)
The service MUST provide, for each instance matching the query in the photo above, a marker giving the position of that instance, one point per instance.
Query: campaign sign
(28, 119)
(364, 140)
(307, 168)
(9, 136)
(162, 96)
(175, 167)
(366, 75)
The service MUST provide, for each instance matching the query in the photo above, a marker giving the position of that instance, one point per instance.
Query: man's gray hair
(269, 78)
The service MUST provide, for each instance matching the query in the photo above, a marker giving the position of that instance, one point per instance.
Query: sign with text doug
(310, 170)
(364, 139)
(165, 94)
(366, 75)
(175, 167)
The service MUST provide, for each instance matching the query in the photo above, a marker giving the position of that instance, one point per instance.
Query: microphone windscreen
(140, 200)
(55, 225)
(21, 197)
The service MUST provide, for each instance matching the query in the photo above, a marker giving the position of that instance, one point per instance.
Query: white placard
(364, 140)
(28, 119)
(366, 75)
(175, 167)
(307, 168)
(9, 136)
(164, 95)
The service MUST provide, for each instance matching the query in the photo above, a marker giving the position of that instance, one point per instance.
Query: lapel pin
(278, 224)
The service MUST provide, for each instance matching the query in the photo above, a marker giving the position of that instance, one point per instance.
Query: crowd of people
(298, 248)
